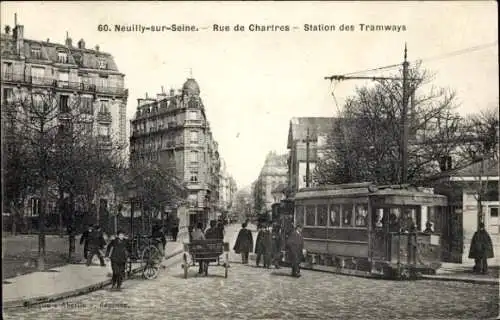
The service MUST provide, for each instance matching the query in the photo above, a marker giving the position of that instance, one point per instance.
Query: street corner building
(84, 83)
(172, 130)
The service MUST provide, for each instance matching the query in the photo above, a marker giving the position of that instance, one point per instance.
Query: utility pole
(404, 123)
(404, 110)
(307, 159)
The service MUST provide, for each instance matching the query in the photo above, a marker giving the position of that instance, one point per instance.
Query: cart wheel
(151, 260)
(185, 266)
(225, 270)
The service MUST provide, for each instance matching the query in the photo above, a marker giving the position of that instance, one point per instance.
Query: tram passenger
(429, 227)
(244, 243)
(481, 249)
(295, 247)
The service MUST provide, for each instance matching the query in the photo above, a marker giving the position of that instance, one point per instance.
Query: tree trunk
(41, 227)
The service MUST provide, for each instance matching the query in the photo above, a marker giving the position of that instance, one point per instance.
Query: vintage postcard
(250, 160)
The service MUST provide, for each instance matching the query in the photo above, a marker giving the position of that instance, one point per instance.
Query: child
(118, 253)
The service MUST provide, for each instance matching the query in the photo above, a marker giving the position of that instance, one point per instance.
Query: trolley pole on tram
(404, 111)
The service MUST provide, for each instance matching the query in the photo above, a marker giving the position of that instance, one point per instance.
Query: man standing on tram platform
(295, 247)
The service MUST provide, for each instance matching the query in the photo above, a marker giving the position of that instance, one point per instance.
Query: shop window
(310, 216)
(322, 215)
(361, 215)
(299, 215)
(347, 215)
(335, 215)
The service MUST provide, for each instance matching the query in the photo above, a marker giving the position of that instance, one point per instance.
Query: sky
(252, 83)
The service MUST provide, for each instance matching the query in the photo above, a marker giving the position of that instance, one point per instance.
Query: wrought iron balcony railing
(61, 84)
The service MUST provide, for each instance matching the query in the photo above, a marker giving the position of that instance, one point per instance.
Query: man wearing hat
(96, 243)
(294, 248)
(118, 253)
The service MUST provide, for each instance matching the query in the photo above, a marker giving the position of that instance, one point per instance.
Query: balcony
(19, 78)
(195, 123)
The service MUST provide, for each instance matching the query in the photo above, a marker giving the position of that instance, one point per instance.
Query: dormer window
(62, 57)
(36, 53)
(102, 63)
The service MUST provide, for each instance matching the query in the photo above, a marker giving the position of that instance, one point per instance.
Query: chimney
(7, 29)
(81, 44)
(172, 92)
(69, 42)
(97, 48)
(48, 40)
(162, 89)
(18, 34)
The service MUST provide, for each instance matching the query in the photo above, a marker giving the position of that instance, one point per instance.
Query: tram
(367, 230)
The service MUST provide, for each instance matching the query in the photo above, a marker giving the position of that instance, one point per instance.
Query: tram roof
(366, 189)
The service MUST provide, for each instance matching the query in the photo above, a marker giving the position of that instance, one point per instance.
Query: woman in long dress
(244, 243)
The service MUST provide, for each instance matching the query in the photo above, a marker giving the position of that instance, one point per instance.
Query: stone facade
(319, 129)
(272, 174)
(80, 80)
(173, 130)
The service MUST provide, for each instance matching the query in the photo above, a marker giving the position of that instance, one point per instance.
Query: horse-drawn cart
(204, 252)
(144, 249)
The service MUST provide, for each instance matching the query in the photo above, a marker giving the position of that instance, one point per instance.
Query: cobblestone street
(256, 293)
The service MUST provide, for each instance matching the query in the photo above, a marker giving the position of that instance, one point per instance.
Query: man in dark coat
(118, 253)
(481, 249)
(84, 239)
(244, 243)
(267, 246)
(213, 231)
(220, 229)
(96, 243)
(294, 247)
(276, 239)
(259, 244)
(175, 228)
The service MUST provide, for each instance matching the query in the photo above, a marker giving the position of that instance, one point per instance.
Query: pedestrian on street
(84, 239)
(267, 246)
(481, 249)
(276, 239)
(220, 229)
(118, 253)
(190, 231)
(96, 244)
(197, 235)
(212, 232)
(175, 228)
(158, 235)
(244, 243)
(295, 247)
(259, 244)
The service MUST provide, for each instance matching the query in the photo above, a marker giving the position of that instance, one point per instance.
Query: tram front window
(394, 219)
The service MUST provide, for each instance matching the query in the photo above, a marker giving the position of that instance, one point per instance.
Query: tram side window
(322, 215)
(378, 218)
(394, 219)
(299, 215)
(310, 216)
(335, 215)
(347, 215)
(361, 215)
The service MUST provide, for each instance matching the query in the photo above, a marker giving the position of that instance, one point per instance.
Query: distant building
(227, 190)
(173, 130)
(319, 129)
(272, 174)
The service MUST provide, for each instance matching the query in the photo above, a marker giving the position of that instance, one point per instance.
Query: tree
(365, 145)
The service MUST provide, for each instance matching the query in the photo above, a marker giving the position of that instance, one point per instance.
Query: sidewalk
(463, 272)
(67, 281)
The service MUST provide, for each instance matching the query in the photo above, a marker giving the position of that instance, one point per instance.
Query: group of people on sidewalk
(268, 246)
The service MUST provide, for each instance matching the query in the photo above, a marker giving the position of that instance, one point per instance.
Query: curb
(459, 279)
(73, 293)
